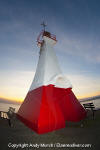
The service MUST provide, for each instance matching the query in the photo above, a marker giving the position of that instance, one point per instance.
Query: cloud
(77, 45)
(15, 85)
(83, 85)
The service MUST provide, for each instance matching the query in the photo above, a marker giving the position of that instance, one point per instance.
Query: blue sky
(76, 23)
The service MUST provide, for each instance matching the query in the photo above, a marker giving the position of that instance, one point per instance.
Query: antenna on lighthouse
(44, 25)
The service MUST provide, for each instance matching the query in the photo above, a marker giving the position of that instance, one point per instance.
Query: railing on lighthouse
(45, 33)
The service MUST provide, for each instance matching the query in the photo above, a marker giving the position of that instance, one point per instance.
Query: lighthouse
(50, 100)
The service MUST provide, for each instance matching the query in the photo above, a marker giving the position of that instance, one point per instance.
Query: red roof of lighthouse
(47, 34)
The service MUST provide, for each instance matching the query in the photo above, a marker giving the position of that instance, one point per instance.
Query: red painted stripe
(46, 108)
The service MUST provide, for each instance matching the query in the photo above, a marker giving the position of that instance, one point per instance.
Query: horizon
(76, 26)
(9, 101)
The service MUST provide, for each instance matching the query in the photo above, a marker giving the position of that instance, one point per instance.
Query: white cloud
(87, 48)
(84, 85)
(15, 84)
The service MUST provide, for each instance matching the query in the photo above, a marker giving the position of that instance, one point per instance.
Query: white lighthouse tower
(50, 100)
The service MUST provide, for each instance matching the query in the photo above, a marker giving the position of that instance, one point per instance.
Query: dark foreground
(74, 133)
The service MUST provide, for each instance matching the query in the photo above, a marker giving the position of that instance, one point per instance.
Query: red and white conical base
(50, 100)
